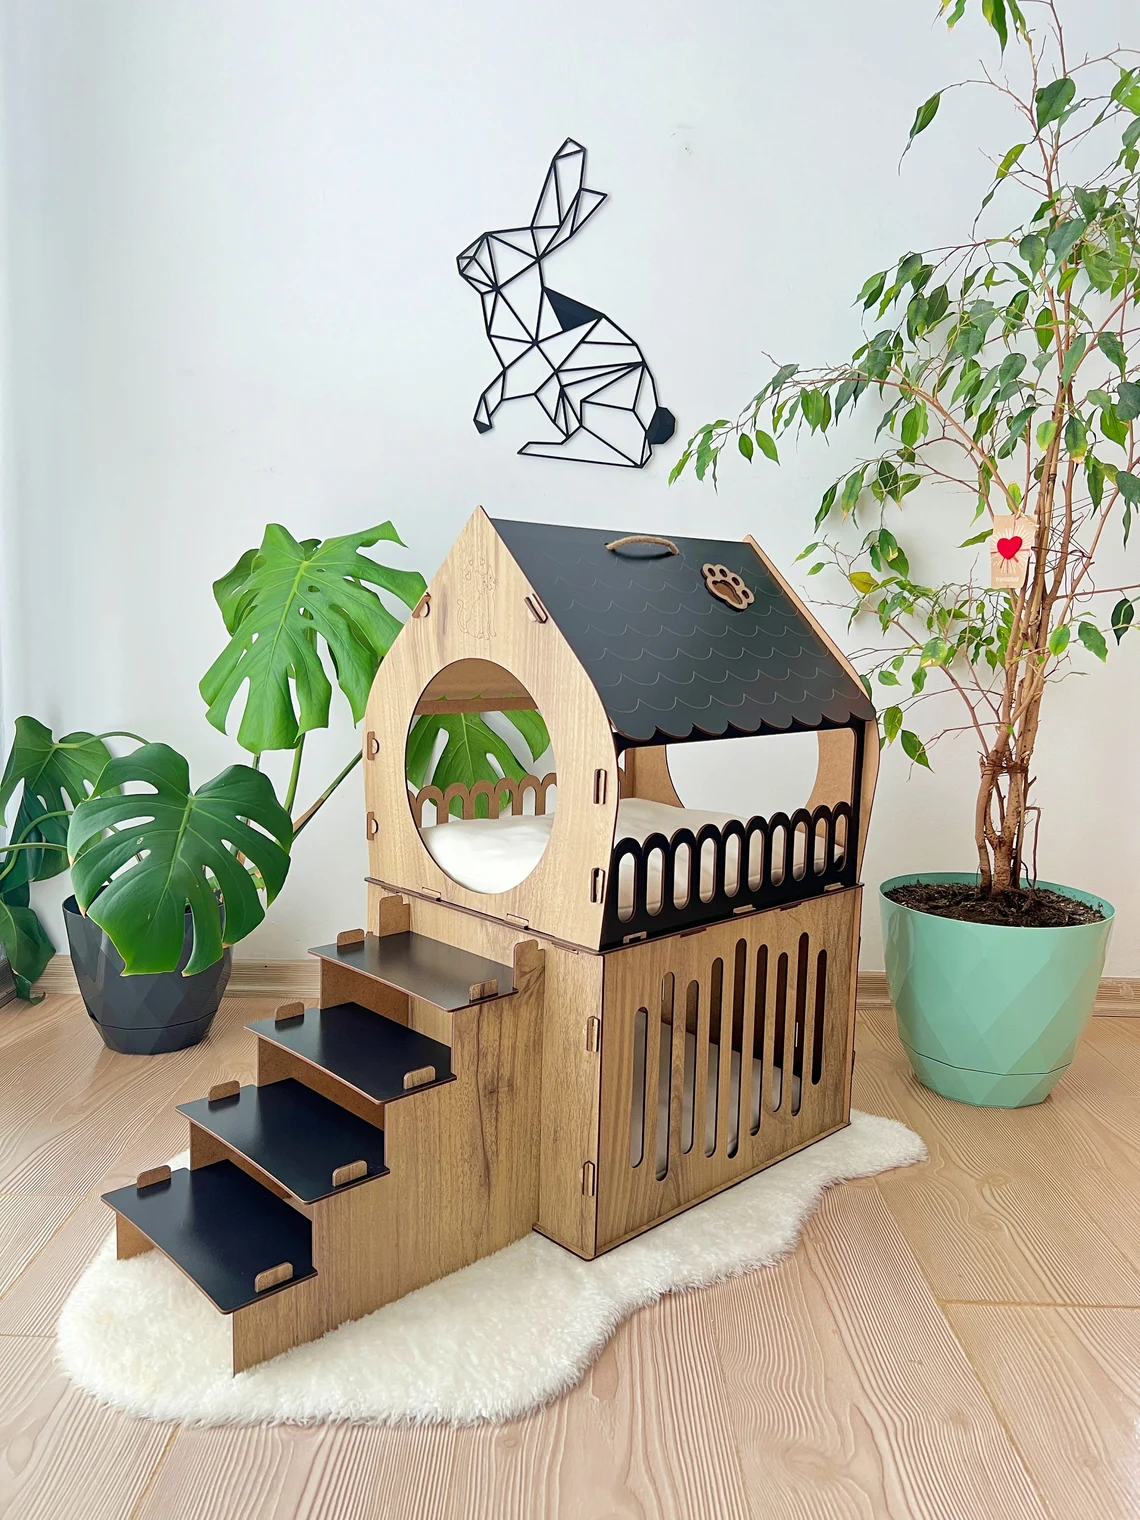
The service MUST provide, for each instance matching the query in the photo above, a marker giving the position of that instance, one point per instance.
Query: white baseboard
(1118, 996)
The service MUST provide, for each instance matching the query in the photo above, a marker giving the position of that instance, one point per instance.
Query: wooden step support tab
(419, 1078)
(289, 1137)
(366, 1052)
(153, 1177)
(222, 1228)
(223, 1090)
(273, 1277)
(286, 1011)
(415, 965)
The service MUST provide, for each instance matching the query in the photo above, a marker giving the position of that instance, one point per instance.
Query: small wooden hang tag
(151, 1178)
(286, 1011)
(222, 1090)
(349, 1173)
(270, 1278)
(1010, 543)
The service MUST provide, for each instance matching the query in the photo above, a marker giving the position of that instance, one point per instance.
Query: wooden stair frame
(461, 1155)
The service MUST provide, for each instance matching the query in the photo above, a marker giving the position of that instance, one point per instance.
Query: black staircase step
(222, 1228)
(294, 1135)
(424, 967)
(367, 1051)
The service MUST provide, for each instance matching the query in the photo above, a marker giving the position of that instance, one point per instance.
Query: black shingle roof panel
(671, 661)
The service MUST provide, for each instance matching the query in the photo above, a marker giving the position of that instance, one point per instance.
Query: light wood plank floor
(956, 1340)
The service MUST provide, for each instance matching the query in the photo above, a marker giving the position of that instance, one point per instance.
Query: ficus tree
(1004, 369)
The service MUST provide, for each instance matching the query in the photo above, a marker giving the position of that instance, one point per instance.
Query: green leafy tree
(1005, 368)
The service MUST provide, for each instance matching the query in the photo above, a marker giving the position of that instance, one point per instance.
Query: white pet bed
(493, 854)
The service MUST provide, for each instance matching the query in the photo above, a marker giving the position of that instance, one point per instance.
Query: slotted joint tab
(589, 1179)
(419, 1077)
(153, 1177)
(286, 1011)
(349, 937)
(222, 1090)
(349, 1173)
(480, 990)
(272, 1276)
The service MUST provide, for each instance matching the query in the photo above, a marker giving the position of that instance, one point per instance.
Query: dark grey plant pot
(142, 1015)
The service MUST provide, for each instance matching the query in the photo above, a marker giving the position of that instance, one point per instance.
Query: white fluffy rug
(491, 1342)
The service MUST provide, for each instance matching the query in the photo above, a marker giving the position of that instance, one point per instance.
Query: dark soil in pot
(1024, 908)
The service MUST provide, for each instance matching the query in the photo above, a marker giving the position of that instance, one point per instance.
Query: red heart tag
(1008, 547)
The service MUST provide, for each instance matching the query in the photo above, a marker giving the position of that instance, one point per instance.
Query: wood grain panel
(27, 1223)
(330, 1472)
(1083, 1367)
(643, 1435)
(478, 611)
(632, 1197)
(849, 1394)
(1001, 1213)
(63, 1455)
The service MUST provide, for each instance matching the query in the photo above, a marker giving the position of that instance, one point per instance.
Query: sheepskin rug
(491, 1342)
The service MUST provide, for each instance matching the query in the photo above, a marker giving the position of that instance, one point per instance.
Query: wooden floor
(960, 1339)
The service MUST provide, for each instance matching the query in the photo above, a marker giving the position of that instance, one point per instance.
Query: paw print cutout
(727, 586)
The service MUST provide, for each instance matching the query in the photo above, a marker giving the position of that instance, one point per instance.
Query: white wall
(232, 298)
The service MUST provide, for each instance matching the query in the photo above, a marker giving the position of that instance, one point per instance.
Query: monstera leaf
(472, 748)
(56, 775)
(279, 603)
(188, 843)
(23, 937)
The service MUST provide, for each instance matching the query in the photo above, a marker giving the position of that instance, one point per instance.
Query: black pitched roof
(671, 661)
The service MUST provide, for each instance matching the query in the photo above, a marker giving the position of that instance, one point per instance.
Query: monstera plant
(51, 776)
(303, 616)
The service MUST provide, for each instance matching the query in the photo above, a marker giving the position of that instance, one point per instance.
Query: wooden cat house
(578, 1006)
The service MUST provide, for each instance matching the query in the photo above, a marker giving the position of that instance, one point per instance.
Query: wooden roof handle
(644, 538)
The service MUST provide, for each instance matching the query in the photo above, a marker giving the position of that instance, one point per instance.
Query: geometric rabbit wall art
(587, 374)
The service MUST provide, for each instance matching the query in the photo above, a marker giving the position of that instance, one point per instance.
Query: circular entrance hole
(482, 784)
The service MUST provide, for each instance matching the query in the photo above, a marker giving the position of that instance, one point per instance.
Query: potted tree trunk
(1006, 370)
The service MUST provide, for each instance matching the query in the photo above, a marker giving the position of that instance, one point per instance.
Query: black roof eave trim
(696, 736)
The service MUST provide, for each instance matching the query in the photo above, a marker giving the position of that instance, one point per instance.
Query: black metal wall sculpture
(587, 374)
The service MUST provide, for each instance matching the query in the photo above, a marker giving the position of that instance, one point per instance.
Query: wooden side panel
(343, 984)
(478, 611)
(571, 1095)
(275, 1063)
(571, 1073)
(646, 774)
(756, 989)
(129, 1239)
(463, 1159)
(279, 1321)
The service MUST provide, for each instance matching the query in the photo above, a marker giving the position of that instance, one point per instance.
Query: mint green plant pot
(990, 1015)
